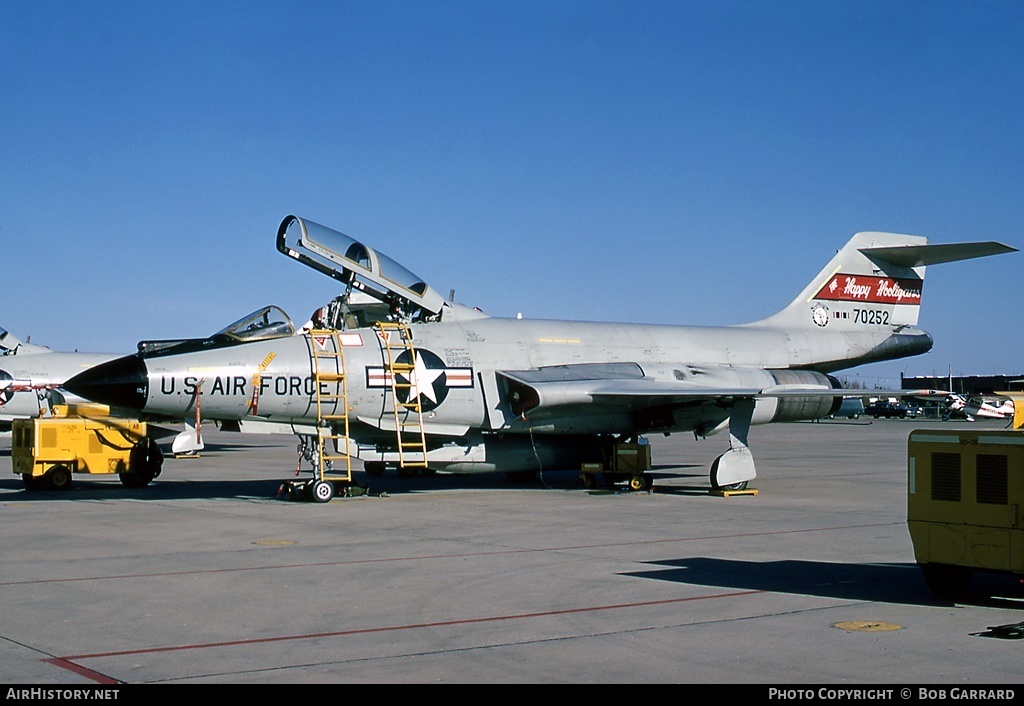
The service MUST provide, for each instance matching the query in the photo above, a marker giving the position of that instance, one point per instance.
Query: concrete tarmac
(208, 576)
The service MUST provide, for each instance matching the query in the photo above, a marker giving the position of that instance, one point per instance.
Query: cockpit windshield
(261, 325)
(357, 265)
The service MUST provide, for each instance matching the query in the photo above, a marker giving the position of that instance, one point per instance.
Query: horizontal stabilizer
(918, 255)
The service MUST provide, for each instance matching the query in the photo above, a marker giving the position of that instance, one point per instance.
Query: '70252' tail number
(877, 317)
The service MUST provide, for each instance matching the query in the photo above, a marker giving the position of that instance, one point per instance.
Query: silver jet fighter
(409, 379)
(31, 377)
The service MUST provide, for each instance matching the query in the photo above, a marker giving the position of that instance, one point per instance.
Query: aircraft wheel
(407, 471)
(715, 485)
(374, 468)
(58, 478)
(321, 491)
(742, 485)
(637, 483)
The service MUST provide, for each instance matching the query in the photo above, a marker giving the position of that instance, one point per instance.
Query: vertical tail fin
(11, 345)
(876, 279)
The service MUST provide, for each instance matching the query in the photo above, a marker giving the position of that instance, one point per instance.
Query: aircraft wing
(603, 385)
(571, 389)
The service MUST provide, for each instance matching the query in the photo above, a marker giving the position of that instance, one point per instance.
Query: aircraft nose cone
(122, 382)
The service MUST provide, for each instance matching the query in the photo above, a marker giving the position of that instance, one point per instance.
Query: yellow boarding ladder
(412, 441)
(331, 392)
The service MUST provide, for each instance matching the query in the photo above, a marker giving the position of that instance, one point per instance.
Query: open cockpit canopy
(357, 265)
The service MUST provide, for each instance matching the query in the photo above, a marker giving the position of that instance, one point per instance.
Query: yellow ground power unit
(964, 504)
(47, 451)
(627, 462)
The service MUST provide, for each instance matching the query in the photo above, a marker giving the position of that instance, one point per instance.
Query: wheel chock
(723, 493)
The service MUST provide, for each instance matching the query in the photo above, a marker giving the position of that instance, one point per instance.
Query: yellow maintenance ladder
(408, 414)
(330, 385)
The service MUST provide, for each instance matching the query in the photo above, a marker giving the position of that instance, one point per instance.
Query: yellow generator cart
(965, 498)
(47, 451)
(626, 462)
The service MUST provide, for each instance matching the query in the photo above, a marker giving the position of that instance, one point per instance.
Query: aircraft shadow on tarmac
(92, 490)
(883, 583)
(168, 487)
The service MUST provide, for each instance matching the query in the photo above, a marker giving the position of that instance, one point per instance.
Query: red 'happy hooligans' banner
(874, 290)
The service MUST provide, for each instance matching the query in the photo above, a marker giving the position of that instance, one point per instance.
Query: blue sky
(670, 162)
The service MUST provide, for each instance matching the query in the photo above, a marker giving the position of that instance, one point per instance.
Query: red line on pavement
(68, 661)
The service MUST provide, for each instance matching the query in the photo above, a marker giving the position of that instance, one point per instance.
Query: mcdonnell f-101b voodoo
(395, 375)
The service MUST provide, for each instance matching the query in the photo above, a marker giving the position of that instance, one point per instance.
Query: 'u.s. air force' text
(238, 385)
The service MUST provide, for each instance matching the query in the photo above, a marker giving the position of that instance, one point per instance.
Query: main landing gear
(734, 469)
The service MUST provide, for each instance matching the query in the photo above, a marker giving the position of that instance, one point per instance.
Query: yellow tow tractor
(47, 451)
(965, 502)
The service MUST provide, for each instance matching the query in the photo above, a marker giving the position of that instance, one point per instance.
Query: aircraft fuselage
(457, 370)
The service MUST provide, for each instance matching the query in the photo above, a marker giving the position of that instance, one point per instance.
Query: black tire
(321, 491)
(145, 461)
(58, 477)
